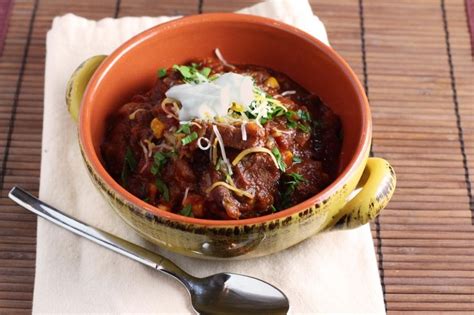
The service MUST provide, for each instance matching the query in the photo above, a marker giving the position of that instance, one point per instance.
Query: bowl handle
(373, 192)
(77, 84)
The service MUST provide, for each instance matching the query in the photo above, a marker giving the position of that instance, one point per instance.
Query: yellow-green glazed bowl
(364, 185)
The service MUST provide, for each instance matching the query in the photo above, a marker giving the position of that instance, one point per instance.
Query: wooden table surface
(414, 58)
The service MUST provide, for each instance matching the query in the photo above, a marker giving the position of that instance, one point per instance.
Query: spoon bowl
(231, 293)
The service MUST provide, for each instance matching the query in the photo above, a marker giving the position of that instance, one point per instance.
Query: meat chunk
(125, 133)
(257, 174)
(314, 179)
(232, 136)
(220, 197)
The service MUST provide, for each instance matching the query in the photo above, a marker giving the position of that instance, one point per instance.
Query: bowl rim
(92, 157)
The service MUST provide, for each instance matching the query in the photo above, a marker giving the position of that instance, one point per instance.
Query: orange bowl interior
(242, 39)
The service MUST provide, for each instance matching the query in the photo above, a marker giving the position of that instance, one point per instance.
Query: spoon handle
(112, 242)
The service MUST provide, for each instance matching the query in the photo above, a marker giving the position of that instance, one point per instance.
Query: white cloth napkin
(329, 273)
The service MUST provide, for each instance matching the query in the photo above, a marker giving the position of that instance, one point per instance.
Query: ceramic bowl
(103, 83)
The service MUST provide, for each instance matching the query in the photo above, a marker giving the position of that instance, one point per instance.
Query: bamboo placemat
(414, 58)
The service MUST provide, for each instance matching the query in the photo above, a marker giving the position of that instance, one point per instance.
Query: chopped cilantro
(130, 159)
(129, 165)
(185, 71)
(205, 71)
(296, 179)
(154, 169)
(291, 184)
(303, 115)
(292, 124)
(191, 74)
(279, 158)
(273, 209)
(187, 211)
(162, 73)
(185, 128)
(279, 111)
(165, 193)
(304, 128)
(159, 160)
(296, 159)
(189, 138)
(290, 117)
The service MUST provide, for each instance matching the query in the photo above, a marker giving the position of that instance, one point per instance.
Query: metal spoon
(222, 293)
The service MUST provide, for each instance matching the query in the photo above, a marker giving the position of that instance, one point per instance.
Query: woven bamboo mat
(414, 58)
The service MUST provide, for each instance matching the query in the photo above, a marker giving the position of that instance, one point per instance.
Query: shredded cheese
(221, 59)
(150, 146)
(222, 147)
(165, 146)
(185, 195)
(290, 92)
(196, 124)
(229, 180)
(244, 131)
(145, 153)
(173, 102)
(242, 154)
(238, 192)
(132, 115)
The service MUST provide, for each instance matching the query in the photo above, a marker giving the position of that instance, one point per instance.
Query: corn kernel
(271, 82)
(157, 127)
(237, 107)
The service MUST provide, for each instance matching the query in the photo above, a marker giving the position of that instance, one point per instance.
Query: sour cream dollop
(210, 99)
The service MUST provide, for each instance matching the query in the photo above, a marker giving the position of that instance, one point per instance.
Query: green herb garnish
(296, 179)
(159, 161)
(191, 74)
(291, 184)
(185, 71)
(303, 115)
(205, 71)
(292, 124)
(279, 158)
(187, 211)
(189, 138)
(161, 73)
(273, 209)
(304, 128)
(279, 111)
(185, 128)
(296, 159)
(163, 189)
(130, 159)
(290, 118)
(129, 165)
